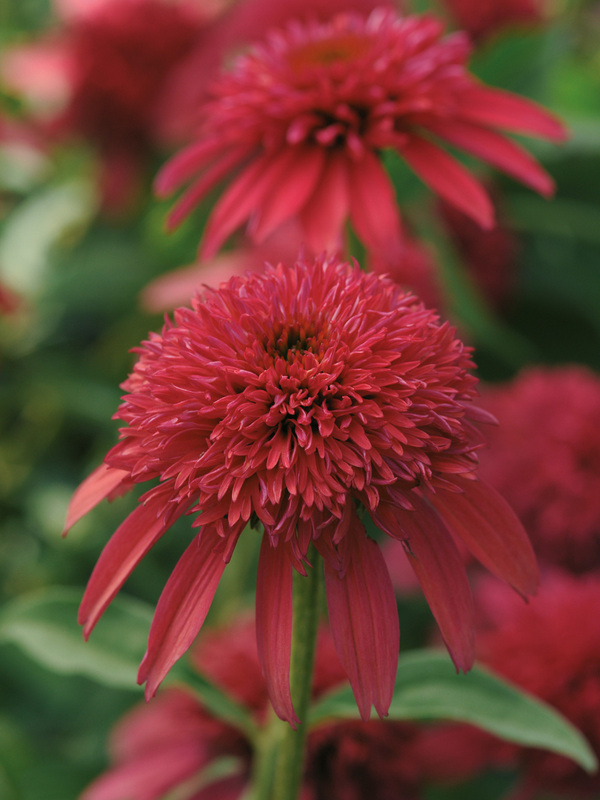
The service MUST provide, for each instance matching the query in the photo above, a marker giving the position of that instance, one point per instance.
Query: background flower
(306, 114)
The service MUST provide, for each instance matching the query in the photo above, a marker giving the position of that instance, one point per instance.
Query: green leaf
(428, 688)
(44, 625)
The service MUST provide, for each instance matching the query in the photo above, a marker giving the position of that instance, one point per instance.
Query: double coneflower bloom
(298, 125)
(295, 406)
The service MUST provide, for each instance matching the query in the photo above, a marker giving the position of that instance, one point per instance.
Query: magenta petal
(323, 215)
(245, 196)
(207, 181)
(492, 531)
(274, 626)
(441, 573)
(122, 553)
(506, 110)
(290, 194)
(364, 623)
(103, 481)
(445, 176)
(496, 150)
(184, 164)
(183, 606)
(373, 205)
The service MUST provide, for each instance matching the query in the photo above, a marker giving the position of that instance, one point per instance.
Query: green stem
(290, 757)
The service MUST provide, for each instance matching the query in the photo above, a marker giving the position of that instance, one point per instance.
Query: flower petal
(506, 110)
(203, 185)
(184, 164)
(445, 176)
(274, 626)
(323, 215)
(441, 573)
(124, 550)
(103, 481)
(364, 622)
(245, 197)
(492, 531)
(373, 204)
(183, 606)
(289, 195)
(496, 150)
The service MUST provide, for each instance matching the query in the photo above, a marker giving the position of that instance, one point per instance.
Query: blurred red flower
(102, 76)
(305, 399)
(167, 744)
(545, 459)
(551, 648)
(306, 114)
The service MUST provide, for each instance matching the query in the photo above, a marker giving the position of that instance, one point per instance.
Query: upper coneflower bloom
(302, 399)
(300, 122)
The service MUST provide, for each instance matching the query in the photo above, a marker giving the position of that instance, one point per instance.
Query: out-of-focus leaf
(44, 625)
(428, 688)
(37, 225)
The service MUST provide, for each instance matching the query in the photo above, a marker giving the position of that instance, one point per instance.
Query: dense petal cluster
(305, 398)
(551, 648)
(301, 120)
(545, 459)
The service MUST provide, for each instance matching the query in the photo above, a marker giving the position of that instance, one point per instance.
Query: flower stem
(290, 757)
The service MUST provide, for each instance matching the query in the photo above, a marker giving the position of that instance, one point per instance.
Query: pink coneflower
(300, 123)
(545, 459)
(302, 399)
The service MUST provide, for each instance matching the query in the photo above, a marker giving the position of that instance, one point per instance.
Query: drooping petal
(445, 176)
(102, 482)
(244, 197)
(179, 169)
(183, 606)
(441, 573)
(207, 181)
(323, 215)
(364, 623)
(289, 195)
(125, 549)
(496, 150)
(274, 626)
(506, 110)
(492, 531)
(373, 204)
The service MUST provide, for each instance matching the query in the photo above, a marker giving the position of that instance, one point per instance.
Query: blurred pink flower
(167, 744)
(304, 398)
(551, 648)
(101, 76)
(545, 459)
(483, 18)
(242, 23)
(306, 114)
